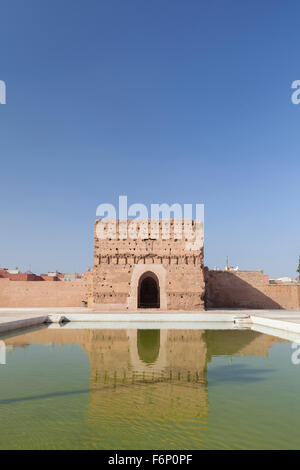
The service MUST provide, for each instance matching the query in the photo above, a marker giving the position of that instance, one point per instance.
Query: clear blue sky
(162, 101)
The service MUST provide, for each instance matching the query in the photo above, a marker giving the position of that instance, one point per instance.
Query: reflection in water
(148, 344)
(130, 356)
(148, 387)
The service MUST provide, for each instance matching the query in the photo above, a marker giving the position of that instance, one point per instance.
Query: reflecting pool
(70, 388)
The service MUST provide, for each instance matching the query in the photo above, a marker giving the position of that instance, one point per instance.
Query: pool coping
(16, 323)
(17, 318)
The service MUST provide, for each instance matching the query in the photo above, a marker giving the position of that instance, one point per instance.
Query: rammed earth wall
(120, 264)
(248, 289)
(42, 293)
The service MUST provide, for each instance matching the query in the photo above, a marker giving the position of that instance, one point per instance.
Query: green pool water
(69, 388)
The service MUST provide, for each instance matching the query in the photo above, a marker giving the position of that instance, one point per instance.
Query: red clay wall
(178, 269)
(248, 289)
(242, 289)
(42, 293)
(287, 296)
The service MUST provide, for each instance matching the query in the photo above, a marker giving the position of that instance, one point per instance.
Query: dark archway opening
(148, 295)
(148, 344)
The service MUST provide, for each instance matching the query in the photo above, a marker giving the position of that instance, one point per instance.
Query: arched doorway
(148, 344)
(148, 291)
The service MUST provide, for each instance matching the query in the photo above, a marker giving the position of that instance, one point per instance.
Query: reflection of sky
(237, 373)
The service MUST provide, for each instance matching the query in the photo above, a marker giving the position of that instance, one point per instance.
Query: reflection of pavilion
(149, 374)
(155, 351)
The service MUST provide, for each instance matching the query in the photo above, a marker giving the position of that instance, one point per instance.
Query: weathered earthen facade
(167, 274)
(248, 289)
(146, 272)
(27, 294)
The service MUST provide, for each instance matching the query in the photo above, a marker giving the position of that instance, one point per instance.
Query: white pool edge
(13, 319)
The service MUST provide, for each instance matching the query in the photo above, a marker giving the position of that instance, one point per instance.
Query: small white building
(13, 271)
